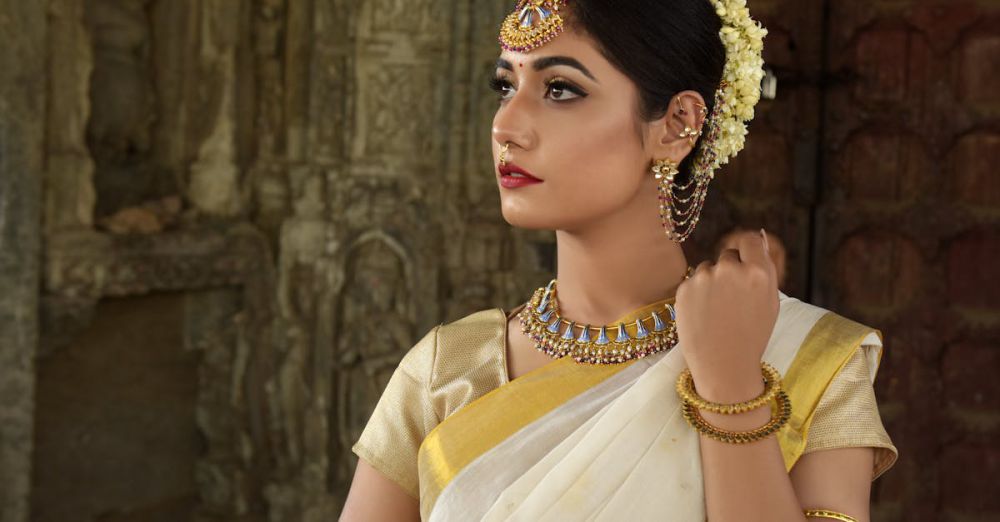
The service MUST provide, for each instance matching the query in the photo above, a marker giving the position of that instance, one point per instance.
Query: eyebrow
(550, 61)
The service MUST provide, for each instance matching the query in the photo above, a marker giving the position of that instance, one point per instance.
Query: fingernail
(763, 236)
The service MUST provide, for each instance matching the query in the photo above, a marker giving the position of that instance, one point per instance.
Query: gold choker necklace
(541, 322)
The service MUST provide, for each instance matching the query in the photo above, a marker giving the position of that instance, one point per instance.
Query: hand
(725, 315)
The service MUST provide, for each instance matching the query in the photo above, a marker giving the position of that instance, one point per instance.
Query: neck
(616, 265)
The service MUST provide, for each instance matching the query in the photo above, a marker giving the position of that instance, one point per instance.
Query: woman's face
(570, 120)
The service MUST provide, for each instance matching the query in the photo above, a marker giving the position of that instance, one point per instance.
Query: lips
(510, 168)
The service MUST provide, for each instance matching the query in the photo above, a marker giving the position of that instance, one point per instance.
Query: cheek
(600, 147)
(591, 163)
(598, 160)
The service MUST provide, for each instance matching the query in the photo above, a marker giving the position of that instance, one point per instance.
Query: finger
(729, 255)
(751, 246)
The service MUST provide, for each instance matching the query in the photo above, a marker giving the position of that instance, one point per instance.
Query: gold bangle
(826, 513)
(772, 383)
(779, 417)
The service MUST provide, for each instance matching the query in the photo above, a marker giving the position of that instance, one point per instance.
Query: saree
(570, 442)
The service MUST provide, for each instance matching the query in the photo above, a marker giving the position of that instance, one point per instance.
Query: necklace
(541, 322)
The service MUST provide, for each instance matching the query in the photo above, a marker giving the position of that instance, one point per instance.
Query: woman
(706, 393)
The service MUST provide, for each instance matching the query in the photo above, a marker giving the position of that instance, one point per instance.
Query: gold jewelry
(688, 132)
(532, 24)
(535, 22)
(503, 153)
(541, 322)
(674, 216)
(826, 513)
(724, 127)
(772, 385)
(779, 417)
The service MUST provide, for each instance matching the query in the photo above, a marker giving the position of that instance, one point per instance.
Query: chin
(525, 218)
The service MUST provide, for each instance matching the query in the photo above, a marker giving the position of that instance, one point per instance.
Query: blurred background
(222, 223)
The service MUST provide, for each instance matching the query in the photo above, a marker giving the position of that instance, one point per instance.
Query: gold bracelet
(772, 382)
(779, 418)
(826, 513)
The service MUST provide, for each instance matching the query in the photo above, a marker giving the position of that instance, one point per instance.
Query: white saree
(570, 442)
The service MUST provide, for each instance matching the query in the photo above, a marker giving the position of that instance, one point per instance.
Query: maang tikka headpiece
(535, 22)
(532, 24)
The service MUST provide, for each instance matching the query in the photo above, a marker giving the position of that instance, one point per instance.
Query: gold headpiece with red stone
(531, 25)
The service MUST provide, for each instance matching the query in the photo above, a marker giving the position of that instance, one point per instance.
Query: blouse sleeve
(402, 418)
(847, 414)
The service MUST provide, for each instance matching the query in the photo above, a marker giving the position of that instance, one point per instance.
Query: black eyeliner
(565, 85)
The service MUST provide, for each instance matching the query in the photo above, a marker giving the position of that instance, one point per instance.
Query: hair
(663, 47)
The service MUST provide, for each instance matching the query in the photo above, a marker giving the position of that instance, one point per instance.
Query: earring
(690, 133)
(665, 170)
(678, 214)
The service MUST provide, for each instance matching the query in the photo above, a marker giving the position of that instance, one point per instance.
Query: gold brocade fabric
(847, 416)
(451, 366)
(456, 363)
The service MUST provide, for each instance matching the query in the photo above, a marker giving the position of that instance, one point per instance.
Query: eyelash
(498, 84)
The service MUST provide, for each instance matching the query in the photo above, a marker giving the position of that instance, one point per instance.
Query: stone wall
(256, 171)
(22, 100)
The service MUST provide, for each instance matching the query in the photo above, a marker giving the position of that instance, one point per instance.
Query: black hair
(664, 47)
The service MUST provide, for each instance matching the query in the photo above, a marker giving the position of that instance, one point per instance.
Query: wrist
(735, 386)
(744, 421)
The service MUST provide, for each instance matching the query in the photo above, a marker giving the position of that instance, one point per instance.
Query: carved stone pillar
(22, 57)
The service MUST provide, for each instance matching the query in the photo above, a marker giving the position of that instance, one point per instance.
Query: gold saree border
(825, 351)
(492, 418)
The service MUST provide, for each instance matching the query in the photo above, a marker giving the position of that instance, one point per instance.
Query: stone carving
(70, 195)
(22, 139)
(374, 329)
(213, 185)
(291, 140)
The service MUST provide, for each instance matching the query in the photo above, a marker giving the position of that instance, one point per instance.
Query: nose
(514, 123)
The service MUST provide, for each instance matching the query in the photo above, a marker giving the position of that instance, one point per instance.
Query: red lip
(509, 168)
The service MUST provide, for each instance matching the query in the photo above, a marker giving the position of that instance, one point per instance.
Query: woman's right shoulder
(467, 351)
(477, 326)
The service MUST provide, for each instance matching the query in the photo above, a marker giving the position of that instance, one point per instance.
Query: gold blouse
(458, 362)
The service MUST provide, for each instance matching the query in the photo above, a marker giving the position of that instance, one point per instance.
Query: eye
(559, 90)
(501, 86)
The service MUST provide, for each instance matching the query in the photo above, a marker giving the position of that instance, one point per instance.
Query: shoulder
(470, 359)
(487, 320)
(438, 348)
(469, 342)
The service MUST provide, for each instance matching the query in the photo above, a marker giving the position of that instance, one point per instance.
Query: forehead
(568, 43)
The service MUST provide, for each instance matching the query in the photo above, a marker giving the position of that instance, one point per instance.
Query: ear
(668, 137)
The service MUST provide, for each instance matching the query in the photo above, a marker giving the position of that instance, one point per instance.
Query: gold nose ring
(503, 153)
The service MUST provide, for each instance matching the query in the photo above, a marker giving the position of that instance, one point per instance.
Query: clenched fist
(725, 315)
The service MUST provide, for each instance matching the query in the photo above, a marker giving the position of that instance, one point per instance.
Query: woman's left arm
(726, 313)
(749, 482)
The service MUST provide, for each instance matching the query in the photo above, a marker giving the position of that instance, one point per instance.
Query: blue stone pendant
(658, 325)
(622, 334)
(640, 330)
(603, 338)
